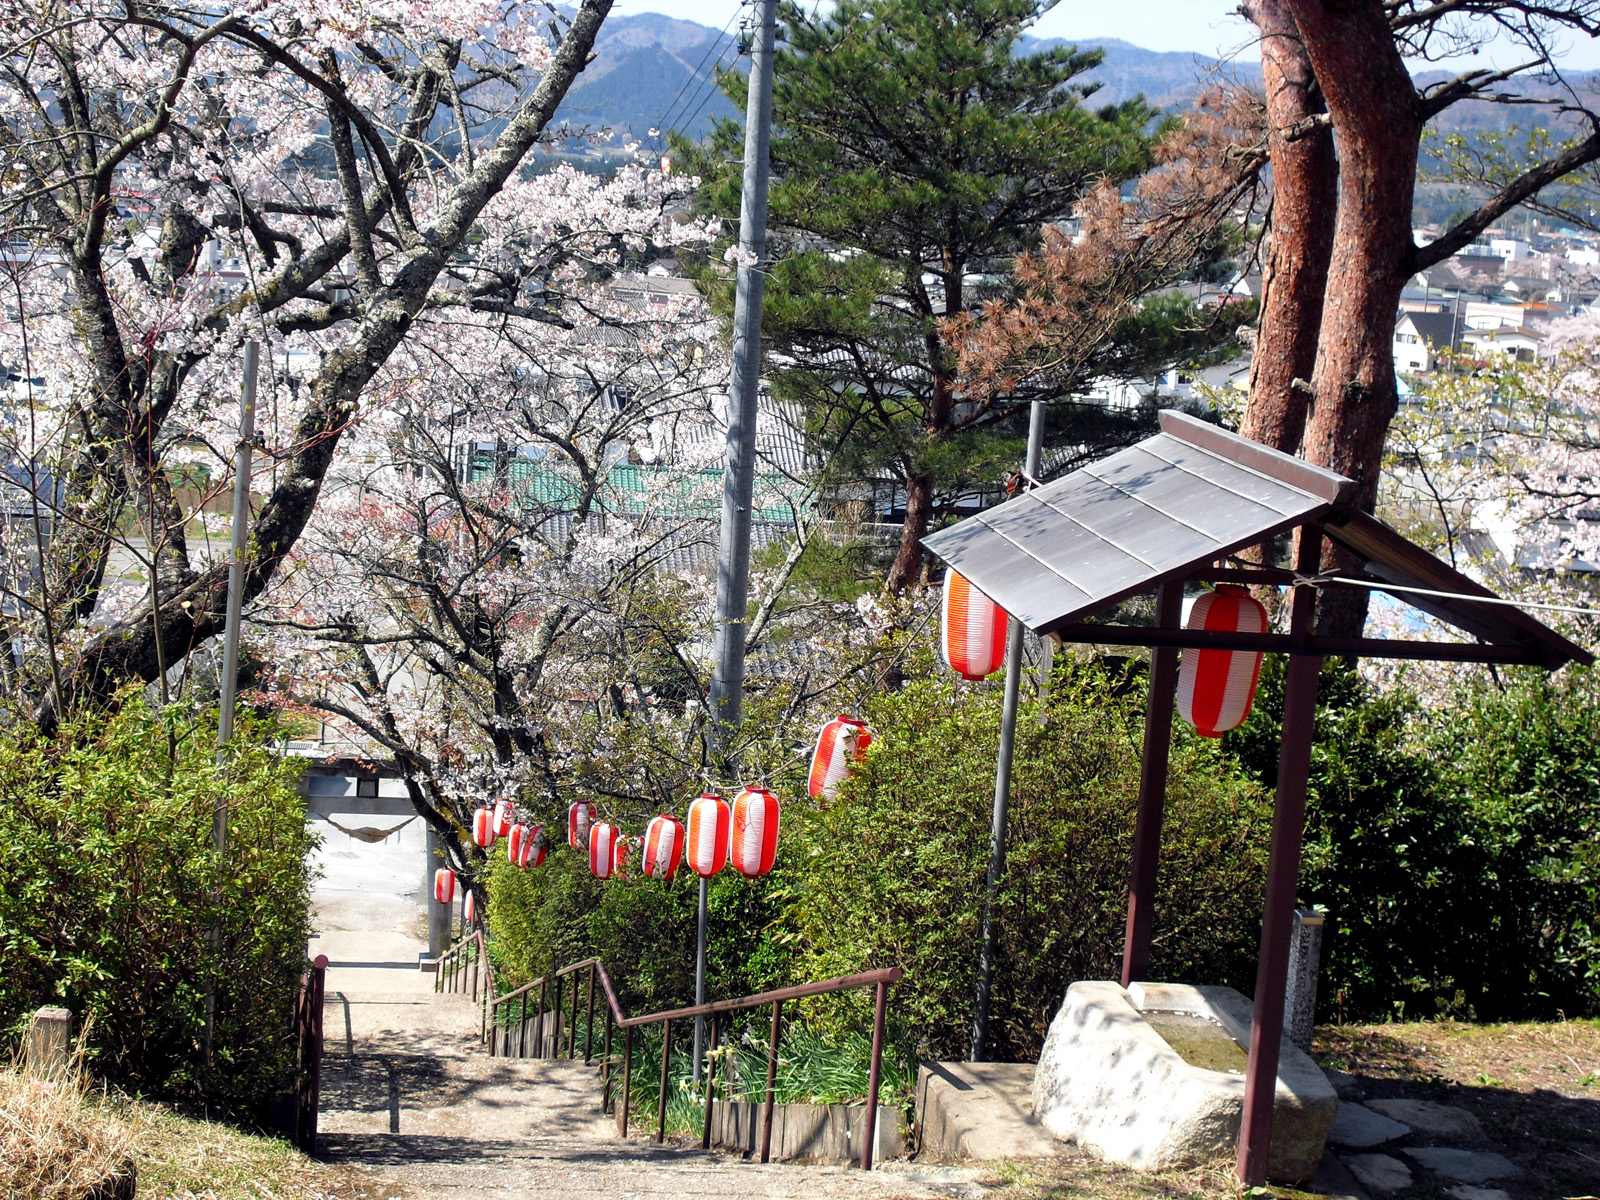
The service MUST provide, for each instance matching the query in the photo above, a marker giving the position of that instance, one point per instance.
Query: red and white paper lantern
(843, 741)
(504, 815)
(1217, 687)
(519, 844)
(580, 819)
(483, 833)
(705, 846)
(663, 847)
(470, 911)
(619, 857)
(974, 641)
(531, 850)
(753, 840)
(602, 849)
(444, 885)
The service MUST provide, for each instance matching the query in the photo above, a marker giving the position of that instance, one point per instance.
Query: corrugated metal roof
(1181, 501)
(1113, 528)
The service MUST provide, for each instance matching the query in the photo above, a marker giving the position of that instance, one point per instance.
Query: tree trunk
(1305, 179)
(919, 512)
(1377, 122)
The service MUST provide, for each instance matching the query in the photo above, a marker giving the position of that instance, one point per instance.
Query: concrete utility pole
(230, 642)
(738, 480)
(1002, 777)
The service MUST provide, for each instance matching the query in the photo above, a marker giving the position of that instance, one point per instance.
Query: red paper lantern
(753, 842)
(706, 845)
(580, 818)
(602, 849)
(483, 828)
(444, 885)
(842, 741)
(619, 858)
(470, 911)
(1217, 687)
(974, 642)
(663, 846)
(527, 847)
(504, 813)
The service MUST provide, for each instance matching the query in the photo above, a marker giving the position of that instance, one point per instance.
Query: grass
(60, 1138)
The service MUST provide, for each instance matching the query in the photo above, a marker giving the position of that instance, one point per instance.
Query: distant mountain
(655, 71)
(651, 69)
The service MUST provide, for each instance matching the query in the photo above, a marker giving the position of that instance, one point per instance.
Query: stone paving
(408, 1095)
(1390, 1144)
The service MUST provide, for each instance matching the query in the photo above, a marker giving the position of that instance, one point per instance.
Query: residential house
(1423, 339)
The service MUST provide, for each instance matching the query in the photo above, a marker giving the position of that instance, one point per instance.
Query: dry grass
(54, 1144)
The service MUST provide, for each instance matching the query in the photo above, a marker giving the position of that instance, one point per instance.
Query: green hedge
(107, 896)
(892, 872)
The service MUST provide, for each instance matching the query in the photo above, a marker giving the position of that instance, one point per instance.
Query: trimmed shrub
(108, 893)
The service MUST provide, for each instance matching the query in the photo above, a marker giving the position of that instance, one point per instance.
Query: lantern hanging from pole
(753, 841)
(841, 742)
(663, 847)
(444, 885)
(483, 834)
(470, 911)
(974, 641)
(706, 843)
(602, 849)
(533, 847)
(1217, 687)
(580, 818)
(619, 858)
(504, 815)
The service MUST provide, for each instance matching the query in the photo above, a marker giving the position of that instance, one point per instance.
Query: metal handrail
(615, 1017)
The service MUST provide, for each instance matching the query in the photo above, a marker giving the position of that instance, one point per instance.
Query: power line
(660, 122)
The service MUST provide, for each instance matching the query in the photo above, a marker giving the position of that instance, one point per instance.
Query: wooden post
(661, 1104)
(772, 1080)
(869, 1126)
(1152, 789)
(588, 1022)
(711, 1087)
(627, 1079)
(1283, 874)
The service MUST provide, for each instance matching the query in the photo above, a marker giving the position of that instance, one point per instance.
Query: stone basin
(1152, 1076)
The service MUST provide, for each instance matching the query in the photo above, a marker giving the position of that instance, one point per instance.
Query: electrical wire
(660, 122)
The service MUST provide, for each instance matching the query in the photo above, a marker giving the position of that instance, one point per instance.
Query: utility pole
(1002, 777)
(237, 538)
(738, 479)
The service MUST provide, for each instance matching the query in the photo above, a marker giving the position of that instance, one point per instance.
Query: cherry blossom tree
(325, 178)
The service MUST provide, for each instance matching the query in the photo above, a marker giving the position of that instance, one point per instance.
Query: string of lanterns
(1215, 687)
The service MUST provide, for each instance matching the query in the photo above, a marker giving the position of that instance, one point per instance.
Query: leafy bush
(896, 866)
(1455, 844)
(108, 892)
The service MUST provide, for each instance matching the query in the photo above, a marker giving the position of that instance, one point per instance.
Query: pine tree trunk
(1378, 126)
(919, 512)
(1305, 180)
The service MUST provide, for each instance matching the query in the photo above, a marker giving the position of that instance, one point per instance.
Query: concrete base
(809, 1133)
(979, 1111)
(1109, 1082)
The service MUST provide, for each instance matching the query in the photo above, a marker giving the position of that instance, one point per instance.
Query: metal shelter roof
(1183, 500)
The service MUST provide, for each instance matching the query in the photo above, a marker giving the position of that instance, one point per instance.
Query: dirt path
(408, 1096)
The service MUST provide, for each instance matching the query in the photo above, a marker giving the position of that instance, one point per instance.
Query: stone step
(979, 1111)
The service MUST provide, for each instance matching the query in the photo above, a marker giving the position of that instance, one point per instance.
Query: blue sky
(1201, 26)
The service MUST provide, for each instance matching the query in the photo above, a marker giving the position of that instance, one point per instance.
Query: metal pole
(738, 480)
(700, 981)
(1002, 781)
(772, 1081)
(869, 1126)
(661, 1097)
(1152, 789)
(1283, 873)
(236, 544)
(230, 651)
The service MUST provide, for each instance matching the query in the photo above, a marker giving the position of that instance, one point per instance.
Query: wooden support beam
(1283, 876)
(1152, 789)
(1277, 643)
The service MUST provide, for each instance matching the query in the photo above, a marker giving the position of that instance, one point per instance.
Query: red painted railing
(501, 1039)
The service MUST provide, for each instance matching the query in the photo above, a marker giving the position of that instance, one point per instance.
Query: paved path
(408, 1095)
